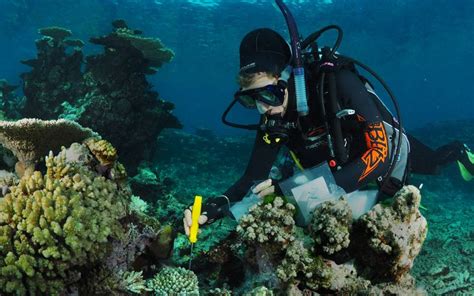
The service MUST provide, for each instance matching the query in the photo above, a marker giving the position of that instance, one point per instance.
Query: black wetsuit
(364, 132)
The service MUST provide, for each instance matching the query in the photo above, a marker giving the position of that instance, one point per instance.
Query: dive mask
(271, 94)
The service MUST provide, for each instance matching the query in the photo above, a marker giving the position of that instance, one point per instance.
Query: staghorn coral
(387, 239)
(30, 139)
(52, 224)
(270, 225)
(330, 226)
(174, 281)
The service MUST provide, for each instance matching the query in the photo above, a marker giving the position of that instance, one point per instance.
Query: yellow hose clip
(266, 139)
(195, 214)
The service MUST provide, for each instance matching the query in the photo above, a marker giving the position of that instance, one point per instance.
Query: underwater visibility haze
(111, 125)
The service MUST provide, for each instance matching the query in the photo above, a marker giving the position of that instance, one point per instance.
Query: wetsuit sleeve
(258, 168)
(374, 160)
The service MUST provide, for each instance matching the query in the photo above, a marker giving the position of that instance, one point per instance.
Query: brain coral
(51, 224)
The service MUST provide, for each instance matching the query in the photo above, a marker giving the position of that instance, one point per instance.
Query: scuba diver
(314, 101)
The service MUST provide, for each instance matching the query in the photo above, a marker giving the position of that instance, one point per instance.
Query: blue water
(423, 49)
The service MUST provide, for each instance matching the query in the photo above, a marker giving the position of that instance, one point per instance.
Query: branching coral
(270, 225)
(330, 226)
(53, 223)
(174, 281)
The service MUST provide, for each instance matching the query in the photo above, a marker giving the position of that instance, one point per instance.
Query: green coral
(172, 281)
(330, 226)
(138, 205)
(133, 282)
(260, 291)
(52, 223)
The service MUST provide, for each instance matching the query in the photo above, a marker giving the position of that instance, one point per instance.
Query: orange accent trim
(377, 144)
(360, 118)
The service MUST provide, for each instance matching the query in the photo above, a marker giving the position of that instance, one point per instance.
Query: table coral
(30, 139)
(330, 226)
(53, 223)
(388, 238)
(57, 33)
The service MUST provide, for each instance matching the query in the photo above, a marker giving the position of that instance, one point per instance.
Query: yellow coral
(103, 150)
(53, 223)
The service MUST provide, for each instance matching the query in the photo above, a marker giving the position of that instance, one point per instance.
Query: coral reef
(147, 184)
(54, 223)
(102, 150)
(174, 281)
(67, 226)
(388, 238)
(330, 226)
(111, 95)
(118, 99)
(298, 265)
(55, 78)
(271, 225)
(31, 139)
(9, 102)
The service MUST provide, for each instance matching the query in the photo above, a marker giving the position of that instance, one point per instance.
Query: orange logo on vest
(377, 143)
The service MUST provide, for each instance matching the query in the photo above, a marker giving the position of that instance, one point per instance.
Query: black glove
(216, 208)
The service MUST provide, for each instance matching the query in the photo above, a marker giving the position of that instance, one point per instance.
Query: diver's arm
(258, 168)
(374, 160)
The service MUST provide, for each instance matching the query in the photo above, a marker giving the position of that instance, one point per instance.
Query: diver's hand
(188, 220)
(265, 188)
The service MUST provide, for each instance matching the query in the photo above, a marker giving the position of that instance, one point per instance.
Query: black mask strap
(243, 126)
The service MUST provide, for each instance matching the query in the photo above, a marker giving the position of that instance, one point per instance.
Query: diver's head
(263, 91)
(264, 50)
(264, 54)
(264, 71)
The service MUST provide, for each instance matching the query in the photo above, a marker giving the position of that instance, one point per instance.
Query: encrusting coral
(330, 226)
(53, 223)
(102, 150)
(388, 238)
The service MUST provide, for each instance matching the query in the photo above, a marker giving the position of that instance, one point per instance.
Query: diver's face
(261, 80)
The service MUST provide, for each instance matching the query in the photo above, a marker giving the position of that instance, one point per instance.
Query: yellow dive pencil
(196, 213)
